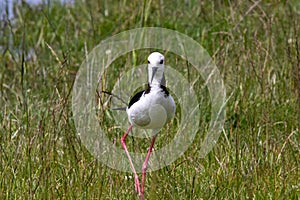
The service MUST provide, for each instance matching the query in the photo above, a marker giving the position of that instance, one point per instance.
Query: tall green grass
(255, 46)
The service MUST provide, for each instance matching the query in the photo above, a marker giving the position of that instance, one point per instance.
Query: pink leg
(136, 178)
(145, 164)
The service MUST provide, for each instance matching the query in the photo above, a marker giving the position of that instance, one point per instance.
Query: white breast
(153, 110)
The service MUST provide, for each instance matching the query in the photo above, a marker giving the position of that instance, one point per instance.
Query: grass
(255, 46)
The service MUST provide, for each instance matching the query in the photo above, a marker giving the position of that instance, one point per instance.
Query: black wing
(135, 98)
(165, 90)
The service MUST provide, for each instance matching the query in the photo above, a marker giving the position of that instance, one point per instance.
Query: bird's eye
(148, 62)
(161, 62)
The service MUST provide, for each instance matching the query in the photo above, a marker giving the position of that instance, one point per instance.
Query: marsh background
(255, 45)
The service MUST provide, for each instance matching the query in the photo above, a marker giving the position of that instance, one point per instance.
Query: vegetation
(256, 47)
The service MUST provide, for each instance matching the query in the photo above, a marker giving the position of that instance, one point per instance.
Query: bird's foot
(142, 197)
(137, 184)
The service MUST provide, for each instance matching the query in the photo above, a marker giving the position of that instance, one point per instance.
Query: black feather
(165, 90)
(135, 98)
(148, 89)
(138, 95)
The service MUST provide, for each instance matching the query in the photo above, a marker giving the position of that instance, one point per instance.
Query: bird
(150, 109)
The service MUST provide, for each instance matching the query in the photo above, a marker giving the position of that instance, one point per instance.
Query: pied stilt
(150, 109)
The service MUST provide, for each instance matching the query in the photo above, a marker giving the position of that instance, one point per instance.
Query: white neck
(159, 77)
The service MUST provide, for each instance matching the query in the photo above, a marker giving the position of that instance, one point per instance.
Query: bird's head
(156, 63)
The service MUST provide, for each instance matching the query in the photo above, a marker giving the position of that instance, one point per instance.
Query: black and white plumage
(149, 109)
(153, 107)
